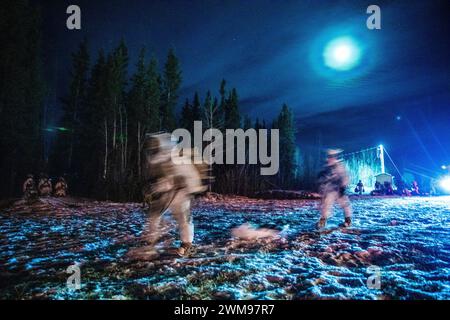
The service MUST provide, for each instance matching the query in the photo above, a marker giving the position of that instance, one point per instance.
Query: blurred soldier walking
(170, 187)
(333, 181)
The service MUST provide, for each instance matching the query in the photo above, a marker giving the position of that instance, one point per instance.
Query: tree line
(106, 114)
(22, 93)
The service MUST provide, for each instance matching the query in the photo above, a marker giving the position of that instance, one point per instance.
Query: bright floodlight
(445, 184)
(342, 54)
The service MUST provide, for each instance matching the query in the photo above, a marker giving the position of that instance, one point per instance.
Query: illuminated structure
(383, 177)
(368, 166)
(381, 150)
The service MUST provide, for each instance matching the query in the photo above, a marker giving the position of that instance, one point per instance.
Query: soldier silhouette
(170, 187)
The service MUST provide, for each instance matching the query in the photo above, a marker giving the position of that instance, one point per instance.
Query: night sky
(272, 52)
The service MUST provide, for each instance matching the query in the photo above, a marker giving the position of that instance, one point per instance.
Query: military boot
(347, 222)
(185, 250)
(322, 223)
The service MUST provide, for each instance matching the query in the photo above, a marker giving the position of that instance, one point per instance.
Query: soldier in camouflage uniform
(29, 188)
(44, 186)
(169, 187)
(333, 181)
(61, 187)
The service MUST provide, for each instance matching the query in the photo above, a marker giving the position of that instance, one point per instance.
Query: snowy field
(408, 238)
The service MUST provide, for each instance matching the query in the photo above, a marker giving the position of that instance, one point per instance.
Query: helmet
(334, 153)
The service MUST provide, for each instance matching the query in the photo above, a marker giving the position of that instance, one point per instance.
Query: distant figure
(359, 188)
(379, 189)
(433, 187)
(333, 181)
(61, 187)
(388, 190)
(400, 188)
(29, 188)
(415, 189)
(171, 187)
(44, 186)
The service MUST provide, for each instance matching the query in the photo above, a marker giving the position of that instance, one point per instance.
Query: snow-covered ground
(407, 238)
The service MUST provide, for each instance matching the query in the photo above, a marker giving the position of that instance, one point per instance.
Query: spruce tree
(186, 116)
(153, 93)
(137, 104)
(222, 104)
(196, 109)
(69, 136)
(117, 120)
(285, 123)
(190, 113)
(231, 111)
(171, 84)
(95, 131)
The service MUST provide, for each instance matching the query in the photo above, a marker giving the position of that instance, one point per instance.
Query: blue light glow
(342, 54)
(445, 184)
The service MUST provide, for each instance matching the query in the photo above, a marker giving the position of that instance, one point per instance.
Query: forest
(106, 112)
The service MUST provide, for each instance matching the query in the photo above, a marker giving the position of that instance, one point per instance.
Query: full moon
(341, 54)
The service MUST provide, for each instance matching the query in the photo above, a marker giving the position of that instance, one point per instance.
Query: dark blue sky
(271, 51)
